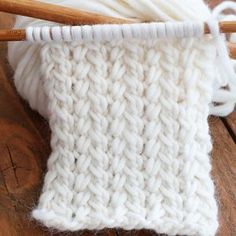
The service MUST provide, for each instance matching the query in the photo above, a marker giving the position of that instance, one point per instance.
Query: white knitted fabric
(130, 141)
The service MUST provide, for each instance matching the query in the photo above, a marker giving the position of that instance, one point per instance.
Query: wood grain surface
(24, 150)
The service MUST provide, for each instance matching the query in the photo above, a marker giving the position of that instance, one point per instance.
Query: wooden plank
(224, 175)
(7, 20)
(230, 123)
(121, 232)
(23, 157)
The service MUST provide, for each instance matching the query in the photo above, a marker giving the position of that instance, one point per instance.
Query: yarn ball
(25, 59)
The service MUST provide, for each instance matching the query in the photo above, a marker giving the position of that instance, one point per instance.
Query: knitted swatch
(130, 141)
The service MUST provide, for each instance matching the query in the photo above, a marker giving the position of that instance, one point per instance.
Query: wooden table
(24, 149)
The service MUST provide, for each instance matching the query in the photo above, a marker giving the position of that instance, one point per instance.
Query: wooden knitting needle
(232, 50)
(56, 13)
(69, 16)
(20, 34)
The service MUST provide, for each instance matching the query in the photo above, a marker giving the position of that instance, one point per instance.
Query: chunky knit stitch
(130, 142)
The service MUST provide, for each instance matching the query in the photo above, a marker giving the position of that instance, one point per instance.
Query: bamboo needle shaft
(225, 27)
(70, 16)
(232, 50)
(55, 13)
(20, 34)
(12, 35)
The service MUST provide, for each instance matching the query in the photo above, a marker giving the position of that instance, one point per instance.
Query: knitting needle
(232, 50)
(65, 15)
(224, 26)
(20, 34)
(70, 16)
(56, 13)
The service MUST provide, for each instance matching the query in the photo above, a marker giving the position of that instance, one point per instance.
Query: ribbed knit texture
(130, 141)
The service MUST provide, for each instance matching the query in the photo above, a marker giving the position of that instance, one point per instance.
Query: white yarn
(130, 138)
(225, 98)
(108, 32)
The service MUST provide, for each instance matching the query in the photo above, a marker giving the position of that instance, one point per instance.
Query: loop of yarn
(225, 86)
(108, 32)
(225, 97)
